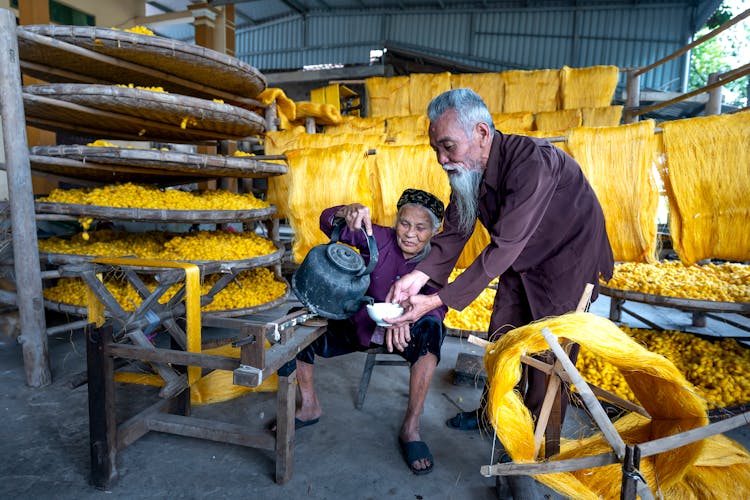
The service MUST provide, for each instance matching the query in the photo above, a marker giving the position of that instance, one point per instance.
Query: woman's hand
(397, 337)
(415, 307)
(356, 216)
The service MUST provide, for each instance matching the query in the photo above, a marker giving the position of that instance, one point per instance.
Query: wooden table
(172, 413)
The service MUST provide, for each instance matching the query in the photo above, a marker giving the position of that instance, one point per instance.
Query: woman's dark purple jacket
(390, 267)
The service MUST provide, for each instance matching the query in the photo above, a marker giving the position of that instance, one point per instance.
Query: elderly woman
(400, 249)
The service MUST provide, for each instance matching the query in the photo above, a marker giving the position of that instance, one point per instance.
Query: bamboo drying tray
(69, 54)
(108, 111)
(76, 310)
(155, 215)
(207, 266)
(112, 164)
(90, 173)
(245, 311)
(677, 302)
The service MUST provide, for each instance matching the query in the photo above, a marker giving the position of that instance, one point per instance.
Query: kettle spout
(352, 306)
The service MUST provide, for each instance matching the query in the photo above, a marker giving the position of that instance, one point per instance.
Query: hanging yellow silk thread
(510, 123)
(357, 125)
(285, 107)
(662, 390)
(401, 167)
(414, 124)
(707, 181)
(533, 91)
(489, 86)
(560, 121)
(604, 116)
(619, 164)
(324, 114)
(592, 86)
(388, 96)
(423, 87)
(480, 238)
(321, 178)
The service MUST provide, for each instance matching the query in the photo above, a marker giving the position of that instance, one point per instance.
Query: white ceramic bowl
(381, 310)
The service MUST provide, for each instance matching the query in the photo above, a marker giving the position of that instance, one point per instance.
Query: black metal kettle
(332, 280)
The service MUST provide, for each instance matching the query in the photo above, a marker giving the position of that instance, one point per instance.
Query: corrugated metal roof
(282, 35)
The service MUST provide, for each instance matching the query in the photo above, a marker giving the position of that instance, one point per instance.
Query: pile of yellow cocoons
(717, 368)
(196, 247)
(476, 316)
(726, 282)
(251, 288)
(129, 195)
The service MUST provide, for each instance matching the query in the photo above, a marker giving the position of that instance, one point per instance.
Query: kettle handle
(372, 248)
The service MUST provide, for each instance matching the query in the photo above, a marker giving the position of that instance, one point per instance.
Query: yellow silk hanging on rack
(489, 86)
(423, 87)
(387, 96)
(401, 167)
(558, 121)
(322, 178)
(510, 123)
(707, 180)
(589, 87)
(619, 164)
(357, 124)
(605, 116)
(532, 91)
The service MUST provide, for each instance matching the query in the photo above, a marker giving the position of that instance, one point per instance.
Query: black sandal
(464, 421)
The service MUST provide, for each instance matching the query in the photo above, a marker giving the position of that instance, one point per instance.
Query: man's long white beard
(465, 186)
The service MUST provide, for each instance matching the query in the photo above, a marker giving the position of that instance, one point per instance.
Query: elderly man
(547, 233)
(400, 249)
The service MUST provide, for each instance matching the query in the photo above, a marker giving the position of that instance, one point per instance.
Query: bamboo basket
(48, 47)
(107, 111)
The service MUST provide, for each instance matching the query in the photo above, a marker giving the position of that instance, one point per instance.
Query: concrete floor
(349, 454)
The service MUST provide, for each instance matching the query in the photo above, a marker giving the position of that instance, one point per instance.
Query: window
(62, 14)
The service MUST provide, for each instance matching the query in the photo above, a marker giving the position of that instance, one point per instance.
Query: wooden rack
(60, 54)
(633, 483)
(122, 335)
(699, 309)
(118, 333)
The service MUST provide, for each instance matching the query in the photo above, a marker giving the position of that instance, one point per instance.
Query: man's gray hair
(470, 109)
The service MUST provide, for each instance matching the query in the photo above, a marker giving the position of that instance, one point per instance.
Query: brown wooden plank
(285, 408)
(567, 465)
(222, 432)
(158, 355)
(101, 399)
(677, 302)
(19, 184)
(670, 442)
(136, 426)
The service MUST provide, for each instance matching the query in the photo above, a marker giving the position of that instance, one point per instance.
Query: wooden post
(272, 119)
(204, 23)
(633, 98)
(37, 12)
(285, 407)
(309, 124)
(588, 397)
(21, 197)
(713, 106)
(229, 25)
(102, 420)
(615, 311)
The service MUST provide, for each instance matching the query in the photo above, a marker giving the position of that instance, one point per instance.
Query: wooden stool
(370, 363)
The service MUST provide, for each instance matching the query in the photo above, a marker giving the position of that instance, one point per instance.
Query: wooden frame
(172, 414)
